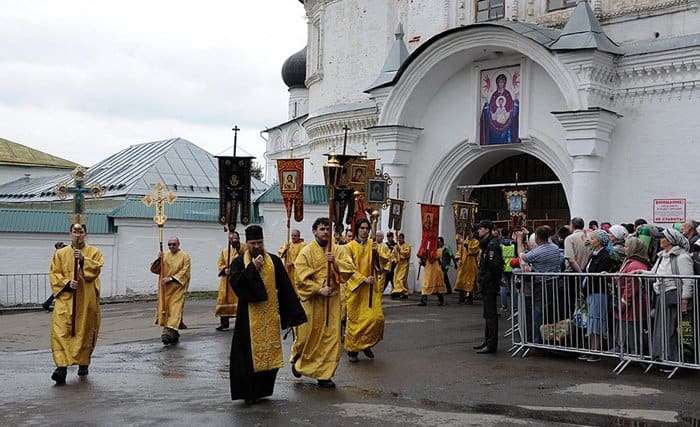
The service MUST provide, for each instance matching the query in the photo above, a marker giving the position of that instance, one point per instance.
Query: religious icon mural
(500, 105)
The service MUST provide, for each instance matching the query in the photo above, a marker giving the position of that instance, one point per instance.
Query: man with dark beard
(490, 272)
(226, 300)
(266, 300)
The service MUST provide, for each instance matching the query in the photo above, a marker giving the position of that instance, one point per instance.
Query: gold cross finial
(79, 191)
(159, 198)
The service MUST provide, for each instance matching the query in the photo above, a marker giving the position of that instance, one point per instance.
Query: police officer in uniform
(490, 272)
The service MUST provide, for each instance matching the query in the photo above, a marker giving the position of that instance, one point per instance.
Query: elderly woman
(632, 300)
(673, 259)
(618, 234)
(595, 290)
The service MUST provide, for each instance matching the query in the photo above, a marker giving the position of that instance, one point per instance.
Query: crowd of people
(329, 291)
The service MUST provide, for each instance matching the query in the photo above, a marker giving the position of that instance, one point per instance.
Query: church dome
(294, 70)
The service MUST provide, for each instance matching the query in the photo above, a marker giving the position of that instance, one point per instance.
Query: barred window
(489, 10)
(560, 4)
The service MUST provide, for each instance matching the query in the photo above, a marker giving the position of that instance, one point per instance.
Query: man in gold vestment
(175, 281)
(365, 318)
(289, 251)
(402, 254)
(316, 350)
(433, 279)
(386, 258)
(73, 343)
(468, 256)
(226, 300)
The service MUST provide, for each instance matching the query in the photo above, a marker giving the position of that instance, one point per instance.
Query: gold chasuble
(365, 318)
(264, 321)
(178, 267)
(433, 279)
(66, 349)
(316, 349)
(226, 300)
(403, 256)
(291, 256)
(468, 266)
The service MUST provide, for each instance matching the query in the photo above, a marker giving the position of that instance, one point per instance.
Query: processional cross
(79, 191)
(160, 199)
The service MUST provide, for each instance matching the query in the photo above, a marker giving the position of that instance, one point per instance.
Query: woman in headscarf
(618, 234)
(632, 301)
(594, 287)
(673, 259)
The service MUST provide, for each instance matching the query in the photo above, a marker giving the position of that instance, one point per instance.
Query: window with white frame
(560, 4)
(490, 10)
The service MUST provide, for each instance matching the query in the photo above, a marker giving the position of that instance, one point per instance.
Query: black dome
(294, 70)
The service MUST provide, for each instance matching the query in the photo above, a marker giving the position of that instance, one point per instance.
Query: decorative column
(587, 134)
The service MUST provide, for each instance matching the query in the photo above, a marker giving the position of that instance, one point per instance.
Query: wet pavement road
(425, 373)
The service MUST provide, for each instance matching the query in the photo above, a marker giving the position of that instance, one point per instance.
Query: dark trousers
(447, 282)
(490, 301)
(389, 279)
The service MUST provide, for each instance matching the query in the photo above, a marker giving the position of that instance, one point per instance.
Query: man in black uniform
(490, 272)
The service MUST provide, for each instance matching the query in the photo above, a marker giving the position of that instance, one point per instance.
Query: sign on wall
(668, 211)
(500, 105)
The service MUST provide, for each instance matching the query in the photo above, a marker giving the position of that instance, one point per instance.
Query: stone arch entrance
(545, 204)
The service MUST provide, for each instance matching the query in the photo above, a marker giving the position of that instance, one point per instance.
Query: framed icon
(377, 191)
(289, 181)
(358, 174)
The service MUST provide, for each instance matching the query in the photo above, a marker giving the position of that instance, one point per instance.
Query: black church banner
(234, 190)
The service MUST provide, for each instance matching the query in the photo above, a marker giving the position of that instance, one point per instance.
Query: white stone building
(607, 92)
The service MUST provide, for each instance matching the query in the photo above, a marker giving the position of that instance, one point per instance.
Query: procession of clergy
(317, 289)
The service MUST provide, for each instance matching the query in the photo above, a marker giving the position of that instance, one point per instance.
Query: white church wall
(653, 155)
(354, 46)
(668, 25)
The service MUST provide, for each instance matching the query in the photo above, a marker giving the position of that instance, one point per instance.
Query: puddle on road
(603, 389)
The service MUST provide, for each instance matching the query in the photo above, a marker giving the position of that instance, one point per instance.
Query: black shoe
(59, 375)
(480, 346)
(442, 303)
(403, 296)
(394, 296)
(326, 384)
(222, 327)
(422, 304)
(486, 350)
(295, 372)
(82, 370)
(369, 353)
(352, 357)
(250, 401)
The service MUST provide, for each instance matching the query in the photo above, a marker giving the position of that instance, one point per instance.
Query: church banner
(344, 201)
(234, 190)
(500, 105)
(430, 221)
(465, 216)
(396, 207)
(291, 179)
(516, 199)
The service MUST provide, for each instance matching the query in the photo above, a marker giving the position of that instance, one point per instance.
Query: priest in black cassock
(267, 303)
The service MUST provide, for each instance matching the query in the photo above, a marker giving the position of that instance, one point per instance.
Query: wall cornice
(327, 130)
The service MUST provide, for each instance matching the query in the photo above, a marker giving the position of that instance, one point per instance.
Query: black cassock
(249, 287)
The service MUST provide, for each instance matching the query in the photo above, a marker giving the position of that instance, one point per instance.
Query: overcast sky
(85, 79)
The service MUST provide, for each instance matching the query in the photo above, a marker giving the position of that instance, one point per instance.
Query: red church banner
(291, 179)
(430, 221)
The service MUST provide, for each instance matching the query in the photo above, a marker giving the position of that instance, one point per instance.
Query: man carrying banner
(175, 281)
(75, 283)
(468, 256)
(365, 317)
(289, 251)
(226, 300)
(316, 349)
(386, 260)
(430, 255)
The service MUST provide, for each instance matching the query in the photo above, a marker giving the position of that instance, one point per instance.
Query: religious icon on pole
(516, 200)
(396, 213)
(464, 216)
(430, 220)
(291, 178)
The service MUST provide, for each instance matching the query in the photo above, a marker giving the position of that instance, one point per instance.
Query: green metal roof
(201, 210)
(44, 221)
(314, 194)
(12, 153)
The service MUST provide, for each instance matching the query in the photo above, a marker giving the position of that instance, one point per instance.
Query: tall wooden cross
(79, 191)
(235, 130)
(159, 199)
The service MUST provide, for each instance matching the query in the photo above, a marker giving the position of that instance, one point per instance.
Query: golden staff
(159, 198)
(331, 173)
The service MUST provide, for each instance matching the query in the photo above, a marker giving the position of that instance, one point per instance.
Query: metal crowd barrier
(24, 289)
(623, 318)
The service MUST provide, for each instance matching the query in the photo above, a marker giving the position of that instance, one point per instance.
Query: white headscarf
(619, 232)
